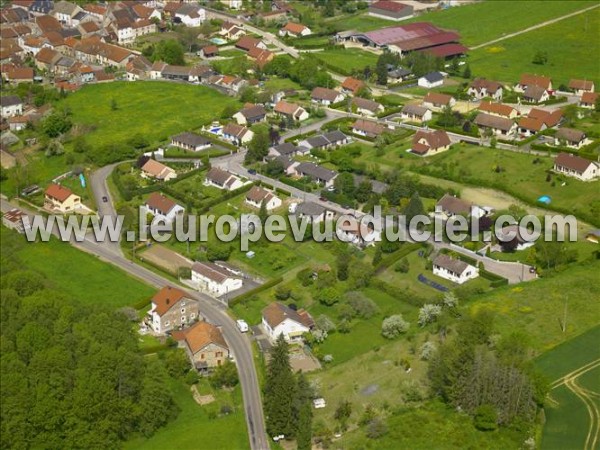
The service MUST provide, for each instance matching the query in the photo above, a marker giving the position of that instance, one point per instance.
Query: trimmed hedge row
(495, 280)
(585, 152)
(294, 183)
(142, 303)
(464, 258)
(389, 112)
(407, 296)
(246, 296)
(301, 136)
(405, 250)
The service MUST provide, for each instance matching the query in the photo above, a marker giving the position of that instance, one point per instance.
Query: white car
(242, 325)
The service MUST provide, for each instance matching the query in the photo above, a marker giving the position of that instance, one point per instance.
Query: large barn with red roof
(418, 36)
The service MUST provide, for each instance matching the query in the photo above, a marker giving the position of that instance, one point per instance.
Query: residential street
(214, 311)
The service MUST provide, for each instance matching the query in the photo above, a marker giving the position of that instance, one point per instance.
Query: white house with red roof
(279, 319)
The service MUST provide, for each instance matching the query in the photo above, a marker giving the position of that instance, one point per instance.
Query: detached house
(588, 100)
(204, 345)
(295, 112)
(313, 212)
(449, 206)
(352, 86)
(426, 143)
(367, 107)
(498, 125)
(528, 79)
(326, 96)
(163, 208)
(352, 231)
(323, 141)
(237, 134)
(498, 109)
(190, 141)
(155, 170)
(257, 196)
(171, 309)
(367, 128)
(581, 86)
(576, 167)
(292, 29)
(261, 56)
(481, 88)
(570, 137)
(415, 113)
(12, 106)
(279, 319)
(431, 80)
(222, 180)
(214, 279)
(250, 114)
(454, 270)
(191, 15)
(437, 101)
(59, 199)
(536, 94)
(538, 120)
(246, 43)
(317, 174)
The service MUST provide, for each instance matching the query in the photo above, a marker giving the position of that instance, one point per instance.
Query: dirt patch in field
(201, 399)
(163, 257)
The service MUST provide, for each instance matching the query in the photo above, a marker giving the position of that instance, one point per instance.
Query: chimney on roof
(168, 301)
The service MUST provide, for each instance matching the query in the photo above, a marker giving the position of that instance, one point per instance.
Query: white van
(242, 325)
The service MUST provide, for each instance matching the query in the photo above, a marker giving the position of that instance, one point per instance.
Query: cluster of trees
(287, 399)
(72, 374)
(488, 378)
(305, 71)
(169, 50)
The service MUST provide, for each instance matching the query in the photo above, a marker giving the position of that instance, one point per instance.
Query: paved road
(214, 311)
(535, 27)
(101, 191)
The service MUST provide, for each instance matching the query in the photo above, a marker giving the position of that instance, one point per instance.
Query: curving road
(214, 312)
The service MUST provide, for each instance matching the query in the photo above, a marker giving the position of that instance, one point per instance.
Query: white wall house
(257, 195)
(11, 106)
(191, 15)
(454, 270)
(576, 167)
(431, 80)
(279, 319)
(162, 207)
(209, 277)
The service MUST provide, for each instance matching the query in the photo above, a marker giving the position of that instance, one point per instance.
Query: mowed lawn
(568, 43)
(481, 22)
(347, 60)
(155, 109)
(519, 176)
(80, 275)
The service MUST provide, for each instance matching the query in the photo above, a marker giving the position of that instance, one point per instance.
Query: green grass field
(536, 308)
(567, 44)
(347, 60)
(200, 426)
(431, 426)
(155, 109)
(566, 416)
(483, 21)
(78, 274)
(519, 176)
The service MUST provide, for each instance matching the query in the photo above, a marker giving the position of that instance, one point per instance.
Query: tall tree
(414, 207)
(279, 392)
(258, 147)
(303, 412)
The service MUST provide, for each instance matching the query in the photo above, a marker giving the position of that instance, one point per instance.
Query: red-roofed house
(437, 101)
(291, 110)
(581, 86)
(204, 344)
(171, 310)
(279, 319)
(426, 143)
(588, 100)
(294, 30)
(162, 207)
(60, 199)
(352, 86)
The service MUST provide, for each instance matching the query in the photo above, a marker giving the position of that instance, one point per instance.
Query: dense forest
(72, 373)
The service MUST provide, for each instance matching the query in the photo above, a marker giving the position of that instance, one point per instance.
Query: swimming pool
(218, 41)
